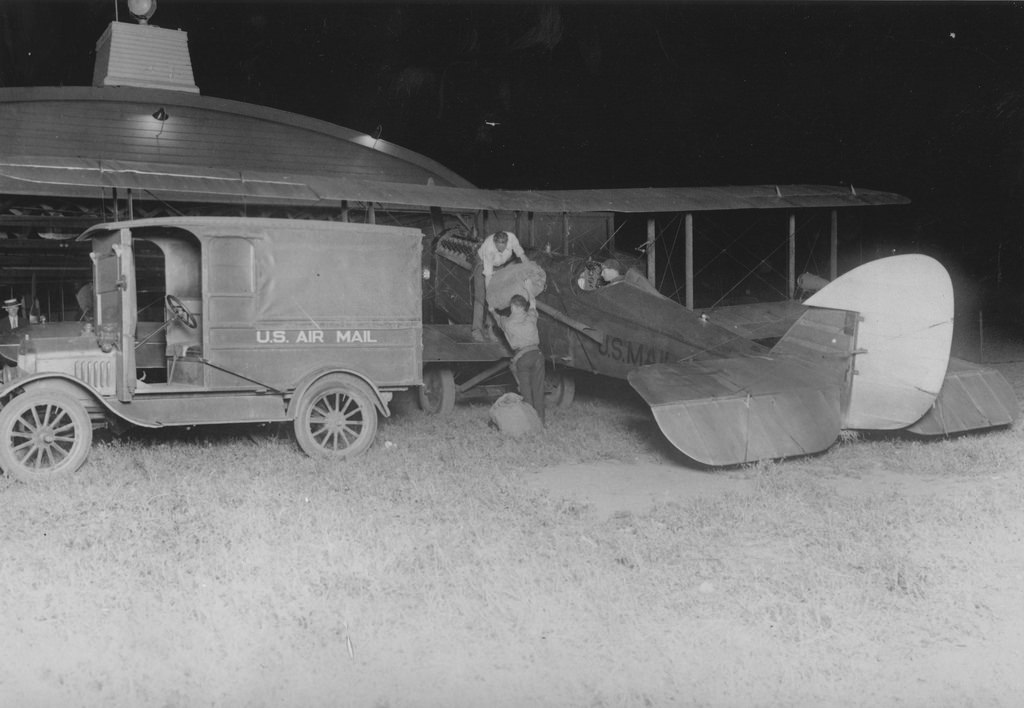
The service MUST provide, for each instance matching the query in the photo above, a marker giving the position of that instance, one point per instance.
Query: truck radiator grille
(98, 374)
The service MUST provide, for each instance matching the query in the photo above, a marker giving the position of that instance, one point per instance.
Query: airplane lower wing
(732, 411)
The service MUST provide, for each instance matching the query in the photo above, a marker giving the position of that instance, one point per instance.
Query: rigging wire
(610, 239)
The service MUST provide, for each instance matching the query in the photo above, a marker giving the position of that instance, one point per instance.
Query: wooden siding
(117, 124)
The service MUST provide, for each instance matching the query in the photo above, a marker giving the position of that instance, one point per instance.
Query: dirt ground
(983, 670)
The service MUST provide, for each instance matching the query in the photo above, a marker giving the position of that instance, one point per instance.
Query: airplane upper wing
(83, 176)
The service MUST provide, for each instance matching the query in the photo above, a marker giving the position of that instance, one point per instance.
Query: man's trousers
(529, 373)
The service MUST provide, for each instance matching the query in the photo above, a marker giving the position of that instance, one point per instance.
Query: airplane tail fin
(897, 316)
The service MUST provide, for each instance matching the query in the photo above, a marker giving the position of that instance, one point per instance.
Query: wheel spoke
(331, 402)
(330, 440)
(33, 453)
(59, 414)
(348, 436)
(347, 431)
(349, 403)
(18, 449)
(69, 426)
(341, 402)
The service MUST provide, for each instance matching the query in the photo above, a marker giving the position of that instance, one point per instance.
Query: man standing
(12, 321)
(494, 252)
(520, 330)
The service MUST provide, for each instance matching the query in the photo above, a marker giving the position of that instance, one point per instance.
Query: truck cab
(205, 320)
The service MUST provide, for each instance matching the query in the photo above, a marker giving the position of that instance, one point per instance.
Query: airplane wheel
(559, 388)
(336, 418)
(43, 435)
(437, 394)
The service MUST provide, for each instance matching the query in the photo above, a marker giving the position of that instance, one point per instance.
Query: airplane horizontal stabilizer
(732, 411)
(972, 397)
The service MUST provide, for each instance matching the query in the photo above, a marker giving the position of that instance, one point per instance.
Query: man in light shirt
(496, 250)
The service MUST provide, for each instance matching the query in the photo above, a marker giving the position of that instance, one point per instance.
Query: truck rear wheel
(336, 418)
(43, 435)
(437, 394)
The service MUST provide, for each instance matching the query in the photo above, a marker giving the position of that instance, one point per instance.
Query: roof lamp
(142, 10)
(160, 114)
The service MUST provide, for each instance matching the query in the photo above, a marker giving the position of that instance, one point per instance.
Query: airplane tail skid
(870, 352)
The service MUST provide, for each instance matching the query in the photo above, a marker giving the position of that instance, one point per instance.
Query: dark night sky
(920, 98)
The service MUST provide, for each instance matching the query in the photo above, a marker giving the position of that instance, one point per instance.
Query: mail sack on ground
(510, 280)
(515, 417)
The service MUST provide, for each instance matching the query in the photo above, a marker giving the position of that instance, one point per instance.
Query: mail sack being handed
(510, 280)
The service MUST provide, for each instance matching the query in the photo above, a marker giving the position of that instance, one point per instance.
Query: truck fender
(380, 401)
(93, 401)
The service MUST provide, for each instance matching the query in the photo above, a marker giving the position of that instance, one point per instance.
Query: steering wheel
(180, 312)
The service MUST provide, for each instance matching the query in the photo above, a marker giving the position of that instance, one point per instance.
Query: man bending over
(520, 330)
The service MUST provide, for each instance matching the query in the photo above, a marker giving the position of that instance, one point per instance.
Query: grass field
(223, 569)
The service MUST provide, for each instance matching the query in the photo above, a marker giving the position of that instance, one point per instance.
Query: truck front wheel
(43, 435)
(336, 418)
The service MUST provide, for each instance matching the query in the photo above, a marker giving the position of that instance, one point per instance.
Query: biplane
(869, 351)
